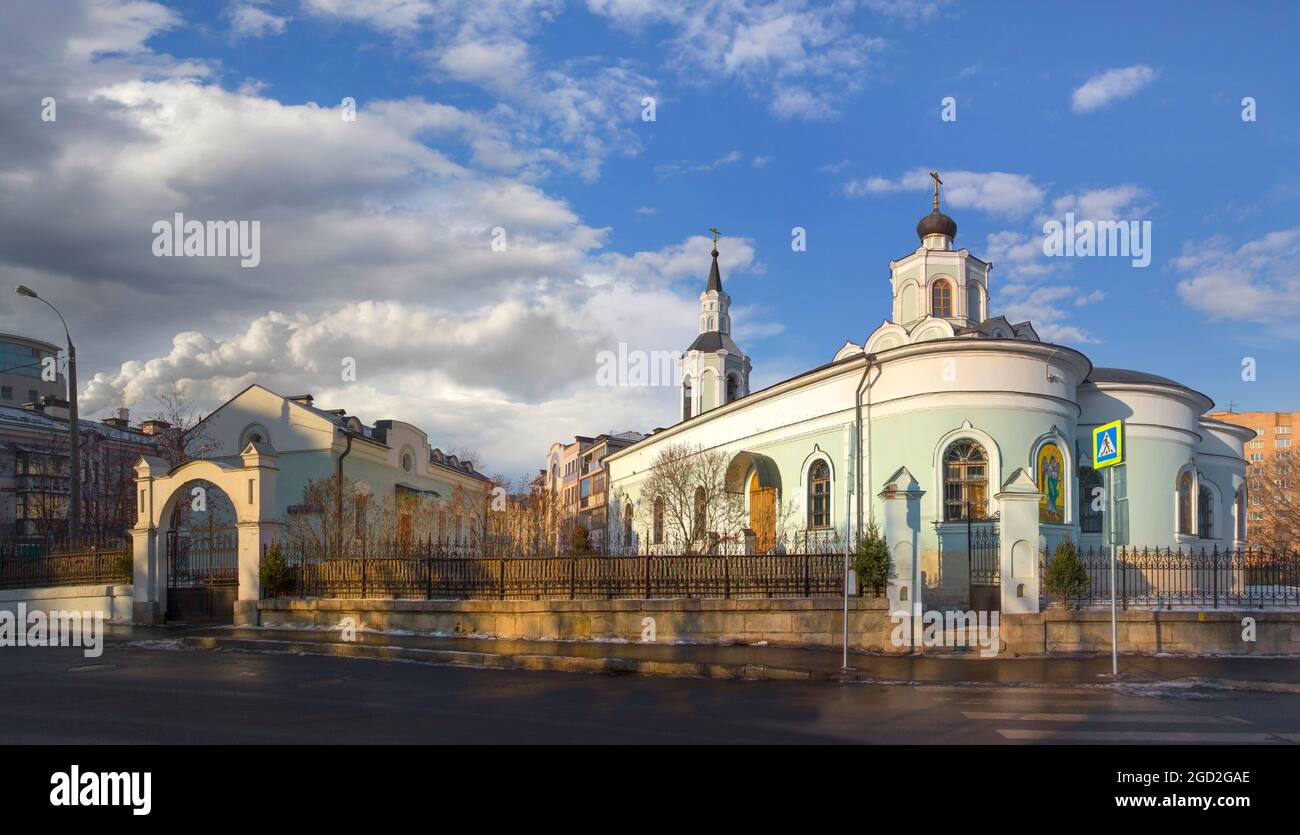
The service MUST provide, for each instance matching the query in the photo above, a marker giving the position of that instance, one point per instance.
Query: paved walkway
(1238, 672)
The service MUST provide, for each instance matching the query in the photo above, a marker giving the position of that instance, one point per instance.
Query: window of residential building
(657, 533)
(6, 392)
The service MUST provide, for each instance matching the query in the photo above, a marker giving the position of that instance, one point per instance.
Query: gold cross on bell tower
(714, 230)
(934, 175)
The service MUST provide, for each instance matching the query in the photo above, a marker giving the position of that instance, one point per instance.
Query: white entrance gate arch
(251, 489)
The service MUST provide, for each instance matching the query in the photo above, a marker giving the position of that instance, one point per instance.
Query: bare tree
(1273, 516)
(185, 439)
(686, 485)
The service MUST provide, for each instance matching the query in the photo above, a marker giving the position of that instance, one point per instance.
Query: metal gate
(202, 573)
(985, 555)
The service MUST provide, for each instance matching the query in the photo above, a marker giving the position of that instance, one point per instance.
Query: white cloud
(995, 192)
(1113, 203)
(590, 107)
(1109, 86)
(1256, 282)
(249, 20)
(398, 16)
(802, 59)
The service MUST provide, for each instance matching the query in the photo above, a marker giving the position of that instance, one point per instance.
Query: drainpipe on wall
(338, 489)
(861, 445)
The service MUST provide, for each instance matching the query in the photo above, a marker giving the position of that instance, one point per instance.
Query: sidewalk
(1272, 674)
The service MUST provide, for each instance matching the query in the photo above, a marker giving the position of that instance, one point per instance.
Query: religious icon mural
(1051, 470)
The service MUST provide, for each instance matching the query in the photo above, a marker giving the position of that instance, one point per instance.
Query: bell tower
(937, 280)
(714, 371)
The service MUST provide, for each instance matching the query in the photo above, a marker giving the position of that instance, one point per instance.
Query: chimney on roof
(55, 407)
(121, 419)
(154, 427)
(304, 399)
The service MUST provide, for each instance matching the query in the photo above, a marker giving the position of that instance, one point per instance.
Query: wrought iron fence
(1166, 577)
(91, 567)
(436, 574)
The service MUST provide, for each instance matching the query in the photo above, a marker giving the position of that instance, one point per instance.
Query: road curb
(500, 661)
(615, 665)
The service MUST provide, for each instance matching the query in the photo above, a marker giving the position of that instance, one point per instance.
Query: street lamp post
(74, 428)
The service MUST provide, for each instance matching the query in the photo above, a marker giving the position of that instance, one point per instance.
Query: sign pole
(1107, 454)
(1110, 540)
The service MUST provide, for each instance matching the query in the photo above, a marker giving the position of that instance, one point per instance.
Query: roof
(715, 341)
(1124, 375)
(20, 418)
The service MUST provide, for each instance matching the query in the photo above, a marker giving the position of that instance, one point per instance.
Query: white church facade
(943, 416)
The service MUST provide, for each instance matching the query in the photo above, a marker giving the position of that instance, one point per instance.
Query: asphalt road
(137, 695)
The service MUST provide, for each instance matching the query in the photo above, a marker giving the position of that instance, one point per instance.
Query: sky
(482, 122)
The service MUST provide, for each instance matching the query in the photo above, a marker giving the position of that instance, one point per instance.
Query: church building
(943, 419)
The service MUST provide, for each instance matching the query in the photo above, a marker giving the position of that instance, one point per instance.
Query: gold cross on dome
(714, 230)
(934, 175)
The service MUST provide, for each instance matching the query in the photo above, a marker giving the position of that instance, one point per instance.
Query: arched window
(627, 525)
(965, 481)
(819, 495)
(733, 388)
(941, 300)
(657, 532)
(1185, 503)
(1051, 483)
(1205, 513)
(701, 512)
(1090, 521)
(686, 398)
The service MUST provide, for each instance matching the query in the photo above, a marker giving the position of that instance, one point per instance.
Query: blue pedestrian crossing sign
(1108, 445)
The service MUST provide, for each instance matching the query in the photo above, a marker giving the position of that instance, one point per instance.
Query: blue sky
(769, 115)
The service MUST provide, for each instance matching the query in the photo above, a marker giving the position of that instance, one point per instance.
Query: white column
(258, 527)
(901, 527)
(149, 575)
(1018, 534)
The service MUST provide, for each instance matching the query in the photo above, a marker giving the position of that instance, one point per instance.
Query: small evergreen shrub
(274, 572)
(1065, 577)
(871, 559)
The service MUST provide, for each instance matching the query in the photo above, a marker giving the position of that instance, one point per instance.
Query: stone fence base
(1212, 631)
(789, 622)
(113, 600)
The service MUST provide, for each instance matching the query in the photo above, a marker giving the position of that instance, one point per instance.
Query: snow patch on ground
(173, 644)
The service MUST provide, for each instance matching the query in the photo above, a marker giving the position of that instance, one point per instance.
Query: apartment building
(1272, 478)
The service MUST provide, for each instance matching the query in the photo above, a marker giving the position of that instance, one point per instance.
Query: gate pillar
(149, 575)
(901, 528)
(256, 529)
(1018, 558)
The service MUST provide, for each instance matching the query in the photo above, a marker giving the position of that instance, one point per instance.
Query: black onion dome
(936, 223)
